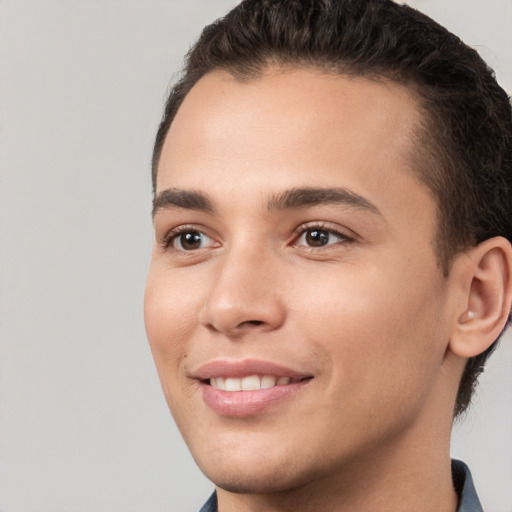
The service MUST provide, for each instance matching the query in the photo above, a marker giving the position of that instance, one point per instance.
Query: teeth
(268, 381)
(219, 383)
(233, 384)
(250, 383)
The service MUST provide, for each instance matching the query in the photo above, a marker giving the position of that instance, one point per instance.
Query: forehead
(293, 127)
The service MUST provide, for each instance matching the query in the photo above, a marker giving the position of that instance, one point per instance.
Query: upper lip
(243, 368)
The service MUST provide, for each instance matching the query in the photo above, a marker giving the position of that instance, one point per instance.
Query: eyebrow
(187, 199)
(286, 200)
(305, 197)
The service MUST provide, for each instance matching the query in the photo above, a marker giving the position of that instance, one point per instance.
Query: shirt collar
(463, 483)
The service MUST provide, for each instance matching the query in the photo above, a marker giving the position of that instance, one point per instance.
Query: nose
(244, 298)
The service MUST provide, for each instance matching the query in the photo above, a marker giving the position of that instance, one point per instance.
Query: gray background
(83, 423)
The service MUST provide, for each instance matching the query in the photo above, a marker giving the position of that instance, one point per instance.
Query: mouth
(251, 382)
(246, 388)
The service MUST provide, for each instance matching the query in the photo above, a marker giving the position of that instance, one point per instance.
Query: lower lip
(241, 404)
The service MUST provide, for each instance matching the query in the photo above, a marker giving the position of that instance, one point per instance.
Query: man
(332, 262)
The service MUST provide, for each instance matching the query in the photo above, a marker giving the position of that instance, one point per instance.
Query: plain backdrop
(83, 423)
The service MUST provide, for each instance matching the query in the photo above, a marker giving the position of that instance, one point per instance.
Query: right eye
(188, 240)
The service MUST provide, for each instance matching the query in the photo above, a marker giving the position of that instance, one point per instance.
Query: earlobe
(487, 281)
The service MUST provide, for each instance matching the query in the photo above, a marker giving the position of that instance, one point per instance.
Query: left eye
(191, 240)
(315, 237)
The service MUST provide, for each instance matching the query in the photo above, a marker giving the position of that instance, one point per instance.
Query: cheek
(170, 317)
(378, 333)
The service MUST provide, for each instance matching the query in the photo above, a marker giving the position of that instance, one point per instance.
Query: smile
(245, 388)
(250, 383)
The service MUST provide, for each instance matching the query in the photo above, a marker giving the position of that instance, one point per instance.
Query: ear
(484, 274)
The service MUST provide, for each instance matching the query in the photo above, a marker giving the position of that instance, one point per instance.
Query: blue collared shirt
(468, 499)
(463, 482)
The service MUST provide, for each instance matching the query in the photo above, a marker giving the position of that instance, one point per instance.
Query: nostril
(252, 322)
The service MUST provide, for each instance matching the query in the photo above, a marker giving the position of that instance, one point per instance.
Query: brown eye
(316, 237)
(191, 240)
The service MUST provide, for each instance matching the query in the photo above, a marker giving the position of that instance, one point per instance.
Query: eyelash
(319, 226)
(173, 235)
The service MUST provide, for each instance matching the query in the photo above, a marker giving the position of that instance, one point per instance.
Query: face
(294, 306)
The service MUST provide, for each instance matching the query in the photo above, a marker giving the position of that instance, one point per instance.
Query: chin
(262, 481)
(262, 471)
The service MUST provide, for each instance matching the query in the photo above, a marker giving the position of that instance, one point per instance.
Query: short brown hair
(464, 147)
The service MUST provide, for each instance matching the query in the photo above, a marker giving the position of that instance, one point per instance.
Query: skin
(369, 315)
